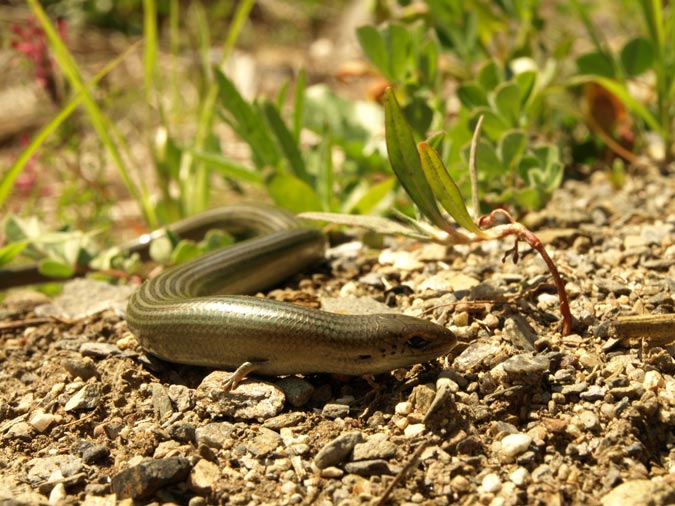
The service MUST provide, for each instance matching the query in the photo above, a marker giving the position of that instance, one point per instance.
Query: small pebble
(491, 483)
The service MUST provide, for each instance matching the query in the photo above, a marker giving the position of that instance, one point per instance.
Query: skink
(190, 314)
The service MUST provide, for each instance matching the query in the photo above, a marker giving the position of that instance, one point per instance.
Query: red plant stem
(526, 235)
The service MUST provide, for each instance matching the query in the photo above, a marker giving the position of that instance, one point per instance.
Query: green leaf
(471, 95)
(376, 223)
(526, 81)
(405, 161)
(374, 196)
(299, 104)
(494, 125)
(399, 42)
(226, 168)
(247, 122)
(372, 43)
(511, 148)
(186, 250)
(286, 141)
(292, 193)
(637, 56)
(55, 268)
(436, 140)
(445, 189)
(507, 101)
(11, 251)
(490, 76)
(488, 164)
(596, 63)
(419, 115)
(428, 61)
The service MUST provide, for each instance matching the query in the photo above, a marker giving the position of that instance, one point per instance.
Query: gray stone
(334, 411)
(182, 397)
(84, 367)
(85, 399)
(214, 435)
(182, 432)
(264, 443)
(161, 402)
(284, 420)
(99, 350)
(594, 393)
(376, 446)
(252, 399)
(369, 467)
(337, 450)
(47, 468)
(298, 391)
(144, 479)
(526, 369)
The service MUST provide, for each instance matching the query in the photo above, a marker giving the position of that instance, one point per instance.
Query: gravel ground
(517, 414)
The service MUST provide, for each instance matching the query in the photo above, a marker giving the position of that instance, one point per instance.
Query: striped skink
(192, 313)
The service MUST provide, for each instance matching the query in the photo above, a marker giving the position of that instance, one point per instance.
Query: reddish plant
(30, 41)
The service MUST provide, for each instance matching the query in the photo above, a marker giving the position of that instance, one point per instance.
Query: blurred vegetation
(551, 102)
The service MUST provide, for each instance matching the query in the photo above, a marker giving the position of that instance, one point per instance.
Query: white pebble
(520, 476)
(653, 380)
(414, 429)
(403, 408)
(491, 483)
(515, 444)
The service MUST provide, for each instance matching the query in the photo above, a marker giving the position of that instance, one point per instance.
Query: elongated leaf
(286, 141)
(247, 122)
(405, 161)
(375, 223)
(55, 268)
(622, 94)
(445, 189)
(374, 196)
(227, 168)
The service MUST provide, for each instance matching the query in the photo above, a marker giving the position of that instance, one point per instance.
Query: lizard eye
(417, 342)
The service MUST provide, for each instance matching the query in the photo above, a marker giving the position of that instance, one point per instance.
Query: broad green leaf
(445, 189)
(428, 61)
(490, 76)
(55, 268)
(419, 115)
(529, 198)
(596, 63)
(472, 95)
(637, 56)
(286, 141)
(507, 101)
(9, 252)
(292, 193)
(488, 164)
(511, 148)
(373, 45)
(494, 125)
(405, 161)
(526, 81)
(622, 94)
(399, 43)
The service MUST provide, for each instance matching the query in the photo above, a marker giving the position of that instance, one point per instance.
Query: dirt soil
(518, 414)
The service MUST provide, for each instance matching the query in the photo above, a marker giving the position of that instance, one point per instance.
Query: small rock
(264, 443)
(376, 446)
(460, 483)
(332, 473)
(85, 399)
(491, 483)
(333, 411)
(94, 452)
(144, 479)
(182, 397)
(653, 380)
(403, 408)
(298, 391)
(214, 435)
(99, 350)
(513, 445)
(475, 355)
(337, 450)
(284, 420)
(84, 367)
(41, 421)
(161, 403)
(53, 469)
(525, 369)
(589, 421)
(58, 494)
(182, 432)
(414, 429)
(633, 391)
(640, 493)
(574, 389)
(203, 476)
(252, 399)
(369, 467)
(594, 393)
(520, 477)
